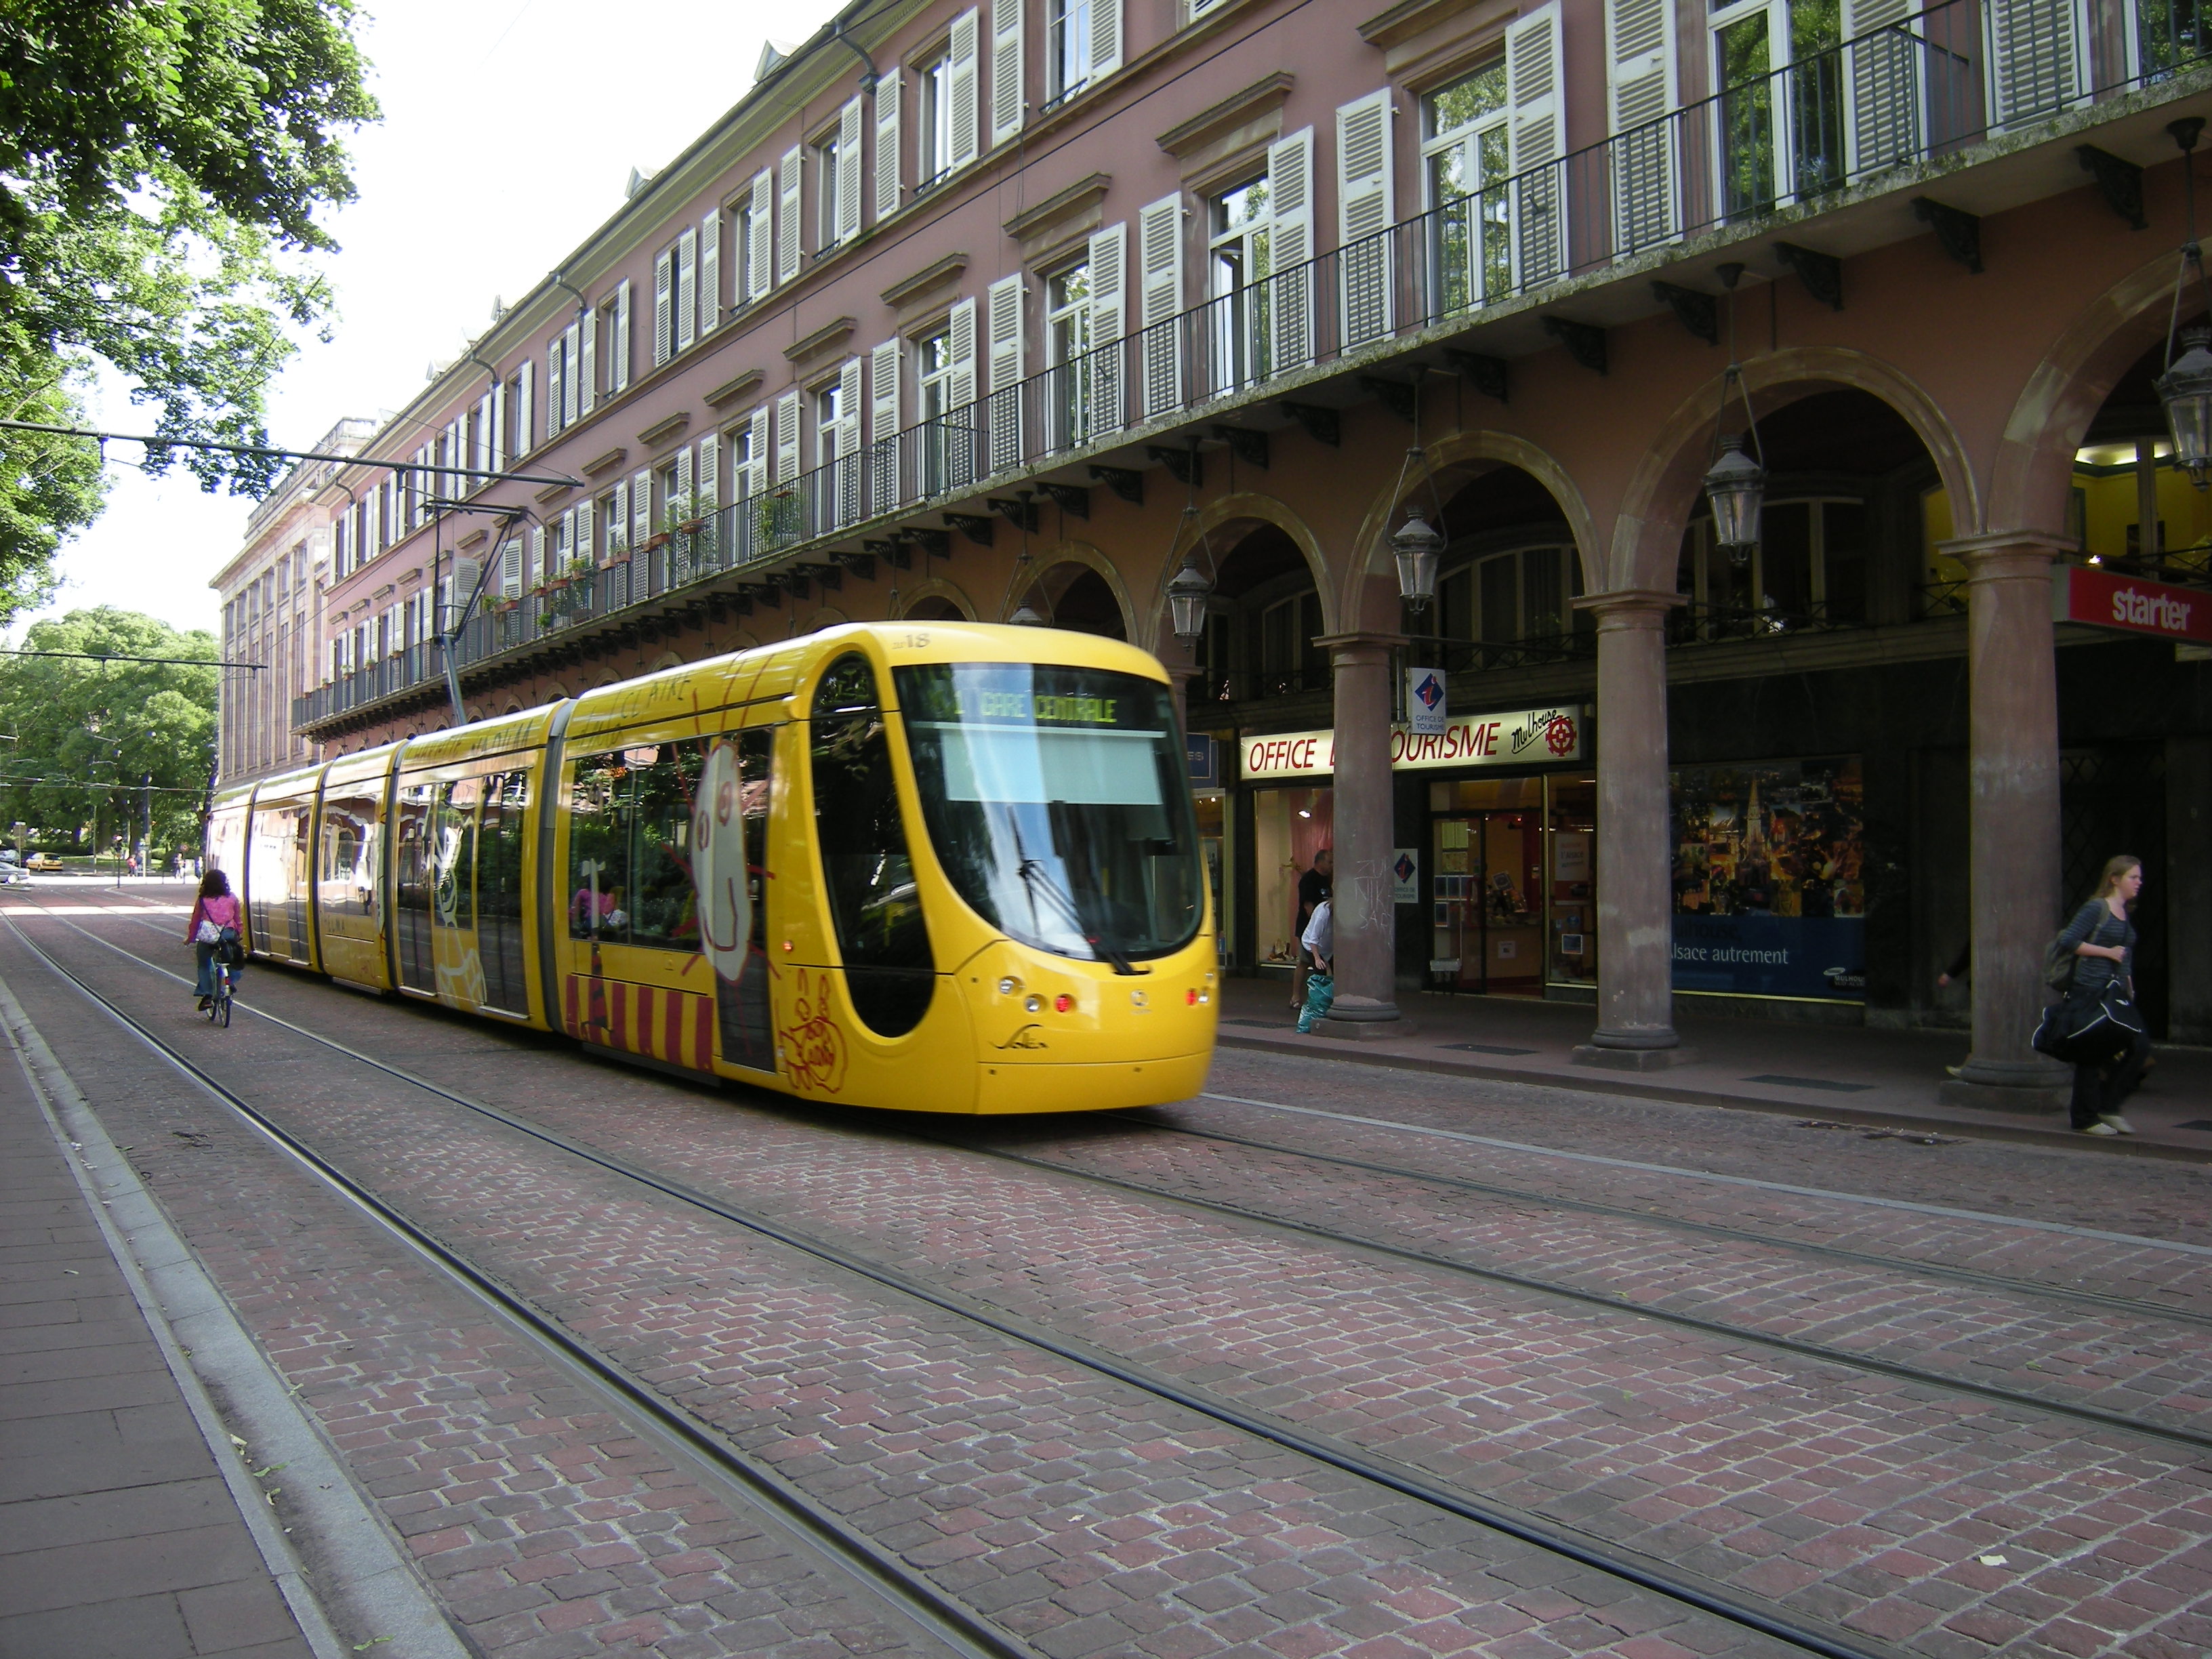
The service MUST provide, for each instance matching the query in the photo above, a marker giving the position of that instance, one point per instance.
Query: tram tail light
(1062, 1003)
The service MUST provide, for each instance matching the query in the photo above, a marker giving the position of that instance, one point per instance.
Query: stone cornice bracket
(1051, 221)
(2120, 181)
(662, 430)
(1585, 342)
(1263, 97)
(607, 463)
(553, 493)
(925, 279)
(1629, 607)
(823, 339)
(1822, 274)
(729, 391)
(1958, 234)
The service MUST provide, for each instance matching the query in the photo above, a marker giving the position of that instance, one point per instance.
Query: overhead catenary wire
(390, 464)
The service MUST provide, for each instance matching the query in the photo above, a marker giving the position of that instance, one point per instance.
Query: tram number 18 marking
(915, 643)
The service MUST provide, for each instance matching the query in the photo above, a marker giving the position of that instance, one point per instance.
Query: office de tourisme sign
(1531, 738)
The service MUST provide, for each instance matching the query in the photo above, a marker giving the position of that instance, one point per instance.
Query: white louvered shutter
(572, 377)
(587, 367)
(1363, 214)
(787, 437)
(888, 160)
(1536, 136)
(1289, 183)
(709, 472)
(552, 386)
(663, 306)
(618, 536)
(965, 85)
(1008, 83)
(756, 481)
(847, 182)
(586, 512)
(685, 549)
(640, 508)
(1108, 264)
(526, 436)
(687, 290)
(2036, 52)
(1003, 321)
(1159, 302)
(1639, 37)
(1105, 38)
(1882, 122)
(620, 367)
(536, 573)
(883, 427)
(788, 218)
(760, 271)
(710, 273)
(846, 495)
(480, 449)
(960, 332)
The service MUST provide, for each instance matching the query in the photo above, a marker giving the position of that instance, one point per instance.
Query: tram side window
(499, 846)
(630, 857)
(873, 901)
(347, 880)
(455, 852)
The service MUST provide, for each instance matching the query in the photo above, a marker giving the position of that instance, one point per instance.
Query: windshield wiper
(1037, 878)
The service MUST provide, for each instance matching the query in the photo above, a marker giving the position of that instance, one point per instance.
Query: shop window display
(1290, 826)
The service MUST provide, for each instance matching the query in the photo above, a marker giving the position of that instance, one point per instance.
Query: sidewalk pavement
(1845, 1074)
(119, 1534)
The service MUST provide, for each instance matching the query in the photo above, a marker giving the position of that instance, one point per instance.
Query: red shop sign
(2104, 599)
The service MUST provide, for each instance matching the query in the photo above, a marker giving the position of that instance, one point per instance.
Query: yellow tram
(947, 868)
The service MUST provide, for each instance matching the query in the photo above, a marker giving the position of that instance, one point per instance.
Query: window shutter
(536, 572)
(787, 437)
(687, 290)
(1108, 257)
(966, 118)
(2035, 55)
(848, 171)
(710, 273)
(1160, 299)
(888, 93)
(480, 448)
(1003, 321)
(883, 425)
(587, 373)
(683, 489)
(961, 382)
(663, 306)
(709, 473)
(571, 351)
(1105, 38)
(1535, 94)
(374, 519)
(584, 549)
(1881, 104)
(756, 453)
(618, 517)
(640, 508)
(1007, 80)
(760, 273)
(552, 386)
(846, 495)
(525, 435)
(1639, 36)
(788, 217)
(1290, 182)
(620, 369)
(1363, 212)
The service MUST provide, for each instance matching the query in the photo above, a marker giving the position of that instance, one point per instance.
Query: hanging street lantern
(1416, 546)
(2186, 389)
(1027, 615)
(1188, 590)
(1735, 484)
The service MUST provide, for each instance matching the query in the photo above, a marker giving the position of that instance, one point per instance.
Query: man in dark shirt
(1313, 888)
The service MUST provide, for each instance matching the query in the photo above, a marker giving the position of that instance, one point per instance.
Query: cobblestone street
(1334, 1360)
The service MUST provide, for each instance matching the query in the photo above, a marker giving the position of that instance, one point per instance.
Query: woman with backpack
(216, 922)
(2098, 1016)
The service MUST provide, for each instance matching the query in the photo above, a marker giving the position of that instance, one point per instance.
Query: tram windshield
(1056, 800)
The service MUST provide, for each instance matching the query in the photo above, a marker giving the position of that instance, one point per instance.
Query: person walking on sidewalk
(2103, 942)
(1317, 955)
(215, 913)
(1313, 888)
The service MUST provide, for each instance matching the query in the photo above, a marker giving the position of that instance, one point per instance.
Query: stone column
(1366, 1003)
(2013, 821)
(1635, 858)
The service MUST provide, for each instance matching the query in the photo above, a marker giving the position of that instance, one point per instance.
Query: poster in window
(1770, 889)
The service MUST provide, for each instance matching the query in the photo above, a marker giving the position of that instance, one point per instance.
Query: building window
(1067, 48)
(744, 225)
(1513, 597)
(1240, 225)
(828, 410)
(1067, 346)
(1808, 571)
(1464, 159)
(934, 130)
(827, 154)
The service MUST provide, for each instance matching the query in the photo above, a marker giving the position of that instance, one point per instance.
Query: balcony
(1897, 109)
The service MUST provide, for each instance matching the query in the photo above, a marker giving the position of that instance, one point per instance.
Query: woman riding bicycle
(214, 916)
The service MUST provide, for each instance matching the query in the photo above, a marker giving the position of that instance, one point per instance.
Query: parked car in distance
(45, 863)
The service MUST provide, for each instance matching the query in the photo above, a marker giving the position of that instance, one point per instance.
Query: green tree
(161, 165)
(91, 736)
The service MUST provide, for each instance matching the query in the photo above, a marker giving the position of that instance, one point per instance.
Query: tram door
(504, 808)
(1489, 919)
(413, 878)
(276, 881)
(452, 847)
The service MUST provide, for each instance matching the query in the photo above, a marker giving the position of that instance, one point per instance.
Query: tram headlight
(1008, 986)
(1033, 1003)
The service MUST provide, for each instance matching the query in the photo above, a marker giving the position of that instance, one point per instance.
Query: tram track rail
(977, 1635)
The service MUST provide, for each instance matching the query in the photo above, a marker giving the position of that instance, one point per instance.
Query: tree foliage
(161, 165)
(49, 488)
(90, 735)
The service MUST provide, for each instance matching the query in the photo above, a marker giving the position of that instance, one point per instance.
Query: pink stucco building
(1016, 309)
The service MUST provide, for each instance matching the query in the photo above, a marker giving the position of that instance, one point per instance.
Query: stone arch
(1055, 567)
(665, 660)
(825, 616)
(558, 692)
(936, 588)
(2035, 456)
(1458, 451)
(1218, 520)
(743, 639)
(1647, 534)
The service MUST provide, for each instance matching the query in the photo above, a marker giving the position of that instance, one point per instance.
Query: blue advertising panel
(1201, 752)
(1769, 895)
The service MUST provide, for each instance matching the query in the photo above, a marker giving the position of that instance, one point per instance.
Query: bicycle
(218, 1008)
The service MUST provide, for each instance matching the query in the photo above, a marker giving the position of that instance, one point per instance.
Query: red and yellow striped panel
(675, 1026)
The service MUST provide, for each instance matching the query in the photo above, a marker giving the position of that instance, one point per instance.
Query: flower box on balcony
(654, 543)
(692, 526)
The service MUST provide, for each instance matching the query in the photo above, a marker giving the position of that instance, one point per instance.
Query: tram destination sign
(2106, 598)
(1531, 737)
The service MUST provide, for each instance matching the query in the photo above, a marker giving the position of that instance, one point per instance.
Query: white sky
(510, 130)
